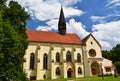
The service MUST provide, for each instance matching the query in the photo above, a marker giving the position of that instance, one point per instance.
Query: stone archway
(70, 73)
(95, 68)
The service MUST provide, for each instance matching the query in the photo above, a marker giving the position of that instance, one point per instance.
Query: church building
(52, 55)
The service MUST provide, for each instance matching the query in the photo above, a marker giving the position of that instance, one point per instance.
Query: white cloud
(51, 24)
(69, 2)
(77, 28)
(107, 34)
(113, 3)
(98, 19)
(44, 28)
(72, 27)
(48, 9)
(105, 19)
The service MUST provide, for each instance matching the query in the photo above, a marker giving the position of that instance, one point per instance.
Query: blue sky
(99, 17)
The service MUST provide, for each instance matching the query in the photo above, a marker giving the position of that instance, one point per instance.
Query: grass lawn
(87, 79)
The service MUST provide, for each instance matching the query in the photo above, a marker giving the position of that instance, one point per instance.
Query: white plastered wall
(39, 72)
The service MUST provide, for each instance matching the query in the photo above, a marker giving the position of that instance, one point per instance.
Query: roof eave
(55, 42)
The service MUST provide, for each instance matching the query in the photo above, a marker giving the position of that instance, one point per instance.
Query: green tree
(117, 64)
(2, 1)
(115, 53)
(13, 41)
(106, 54)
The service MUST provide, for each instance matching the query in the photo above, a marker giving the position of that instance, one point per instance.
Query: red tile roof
(52, 37)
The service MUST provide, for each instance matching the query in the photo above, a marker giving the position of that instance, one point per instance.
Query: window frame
(79, 70)
(78, 57)
(32, 61)
(57, 57)
(68, 56)
(45, 61)
(108, 69)
(57, 72)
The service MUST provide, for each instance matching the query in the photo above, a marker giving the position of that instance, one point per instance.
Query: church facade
(52, 55)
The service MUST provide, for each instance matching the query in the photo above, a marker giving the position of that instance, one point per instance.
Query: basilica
(52, 55)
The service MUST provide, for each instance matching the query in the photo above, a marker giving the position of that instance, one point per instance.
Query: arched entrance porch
(70, 73)
(95, 68)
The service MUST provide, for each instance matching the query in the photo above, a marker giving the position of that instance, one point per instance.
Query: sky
(99, 17)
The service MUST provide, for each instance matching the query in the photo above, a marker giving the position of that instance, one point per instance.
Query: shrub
(105, 75)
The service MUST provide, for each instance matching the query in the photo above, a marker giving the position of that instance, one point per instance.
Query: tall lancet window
(68, 57)
(32, 58)
(78, 57)
(57, 57)
(45, 61)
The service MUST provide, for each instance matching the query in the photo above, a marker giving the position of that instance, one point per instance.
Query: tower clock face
(92, 53)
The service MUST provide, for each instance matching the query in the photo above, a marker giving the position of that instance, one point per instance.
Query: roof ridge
(50, 32)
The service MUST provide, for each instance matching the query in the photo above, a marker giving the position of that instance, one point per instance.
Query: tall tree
(13, 41)
(116, 56)
(113, 54)
(107, 54)
(116, 53)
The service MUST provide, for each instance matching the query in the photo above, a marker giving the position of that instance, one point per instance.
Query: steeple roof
(62, 18)
(62, 23)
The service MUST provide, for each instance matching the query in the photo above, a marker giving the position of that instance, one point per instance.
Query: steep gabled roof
(86, 38)
(52, 37)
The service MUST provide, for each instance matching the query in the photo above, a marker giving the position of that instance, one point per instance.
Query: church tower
(62, 23)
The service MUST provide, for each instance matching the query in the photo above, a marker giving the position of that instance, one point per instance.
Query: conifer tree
(13, 41)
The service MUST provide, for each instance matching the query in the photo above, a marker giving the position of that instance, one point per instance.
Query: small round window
(92, 52)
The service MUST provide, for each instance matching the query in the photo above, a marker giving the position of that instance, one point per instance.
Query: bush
(105, 75)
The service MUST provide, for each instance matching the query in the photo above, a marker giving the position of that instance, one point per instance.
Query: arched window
(78, 57)
(32, 58)
(45, 61)
(79, 71)
(57, 71)
(68, 57)
(44, 76)
(57, 57)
